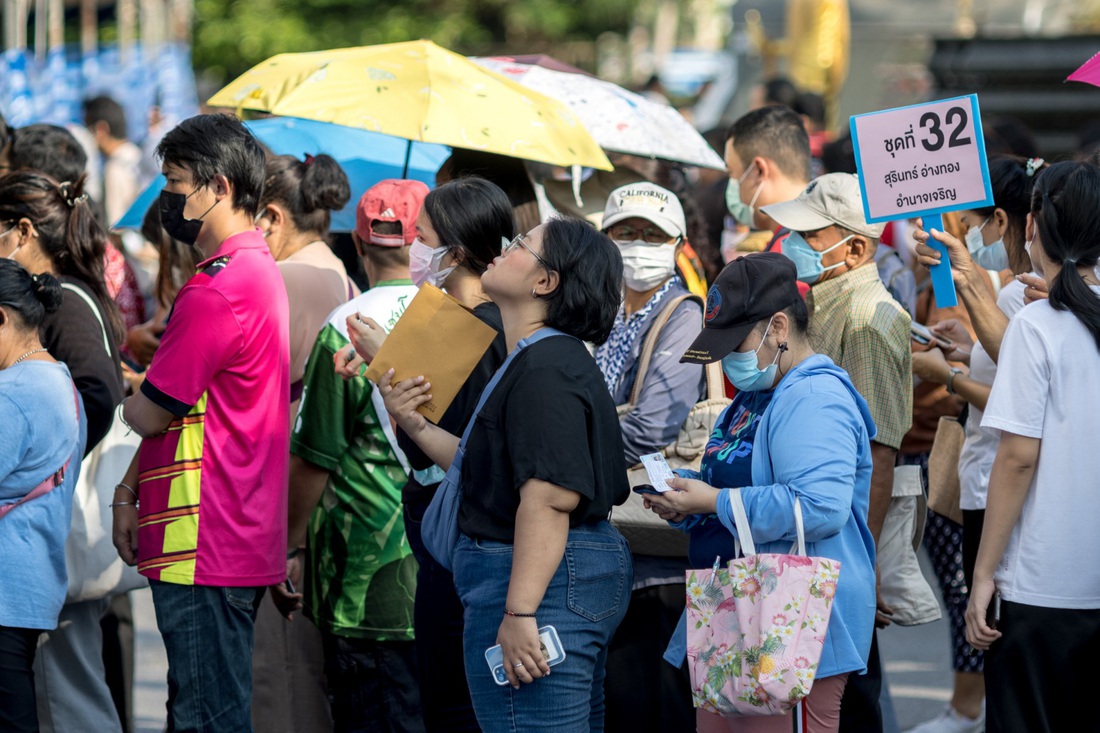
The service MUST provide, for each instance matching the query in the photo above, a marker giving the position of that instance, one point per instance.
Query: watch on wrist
(955, 371)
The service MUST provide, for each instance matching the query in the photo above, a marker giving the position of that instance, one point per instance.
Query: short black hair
(48, 149)
(474, 215)
(590, 279)
(215, 144)
(839, 156)
(106, 109)
(775, 133)
(781, 92)
(29, 296)
(310, 190)
(813, 106)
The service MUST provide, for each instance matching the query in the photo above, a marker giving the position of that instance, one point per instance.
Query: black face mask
(171, 217)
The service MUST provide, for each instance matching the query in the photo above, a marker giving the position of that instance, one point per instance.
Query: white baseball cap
(646, 201)
(833, 198)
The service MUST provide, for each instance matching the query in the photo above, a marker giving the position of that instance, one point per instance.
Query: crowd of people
(269, 465)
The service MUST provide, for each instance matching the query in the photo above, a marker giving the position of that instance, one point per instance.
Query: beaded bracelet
(519, 615)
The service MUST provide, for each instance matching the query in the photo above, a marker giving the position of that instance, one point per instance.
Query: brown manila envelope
(436, 337)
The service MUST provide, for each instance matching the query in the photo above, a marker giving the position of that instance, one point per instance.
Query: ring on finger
(518, 665)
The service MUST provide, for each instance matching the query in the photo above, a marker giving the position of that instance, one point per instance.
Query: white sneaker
(950, 721)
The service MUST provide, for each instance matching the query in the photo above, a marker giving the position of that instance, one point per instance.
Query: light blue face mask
(741, 369)
(807, 260)
(988, 256)
(738, 209)
(992, 256)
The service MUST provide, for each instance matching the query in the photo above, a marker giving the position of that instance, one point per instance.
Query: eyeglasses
(518, 242)
(649, 235)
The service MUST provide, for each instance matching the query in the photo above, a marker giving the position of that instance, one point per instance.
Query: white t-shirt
(1046, 388)
(980, 448)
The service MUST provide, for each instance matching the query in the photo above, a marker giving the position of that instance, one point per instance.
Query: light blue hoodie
(814, 442)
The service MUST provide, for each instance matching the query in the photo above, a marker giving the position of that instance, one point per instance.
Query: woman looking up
(543, 467)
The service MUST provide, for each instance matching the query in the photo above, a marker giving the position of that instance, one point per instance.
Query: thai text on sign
(923, 159)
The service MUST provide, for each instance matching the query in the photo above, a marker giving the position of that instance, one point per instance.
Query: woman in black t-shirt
(542, 469)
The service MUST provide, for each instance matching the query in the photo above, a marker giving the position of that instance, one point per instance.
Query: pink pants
(820, 711)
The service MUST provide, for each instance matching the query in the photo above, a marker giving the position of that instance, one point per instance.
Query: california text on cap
(831, 199)
(748, 290)
(645, 201)
(391, 200)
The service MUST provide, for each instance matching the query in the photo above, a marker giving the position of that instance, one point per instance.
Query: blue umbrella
(366, 157)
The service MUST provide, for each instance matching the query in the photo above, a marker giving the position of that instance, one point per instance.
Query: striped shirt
(857, 323)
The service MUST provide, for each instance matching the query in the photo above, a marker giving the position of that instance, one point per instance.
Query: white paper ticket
(658, 471)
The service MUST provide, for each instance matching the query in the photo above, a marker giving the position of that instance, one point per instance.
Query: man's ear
(220, 185)
(857, 248)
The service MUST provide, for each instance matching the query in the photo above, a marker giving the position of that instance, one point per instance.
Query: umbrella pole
(408, 154)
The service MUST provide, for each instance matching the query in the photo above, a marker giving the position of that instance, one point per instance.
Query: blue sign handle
(943, 286)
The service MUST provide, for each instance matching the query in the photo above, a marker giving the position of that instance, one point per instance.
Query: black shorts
(1040, 677)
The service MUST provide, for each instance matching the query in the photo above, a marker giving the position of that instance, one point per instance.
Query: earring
(534, 294)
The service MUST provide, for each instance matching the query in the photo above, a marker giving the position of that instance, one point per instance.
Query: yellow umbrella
(418, 91)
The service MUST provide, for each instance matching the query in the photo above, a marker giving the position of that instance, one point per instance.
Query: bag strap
(534, 338)
(650, 345)
(52, 481)
(95, 309)
(744, 532)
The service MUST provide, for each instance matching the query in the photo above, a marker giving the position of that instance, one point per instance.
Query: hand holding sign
(924, 160)
(933, 243)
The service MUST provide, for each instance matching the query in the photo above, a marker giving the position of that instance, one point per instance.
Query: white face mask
(645, 266)
(424, 264)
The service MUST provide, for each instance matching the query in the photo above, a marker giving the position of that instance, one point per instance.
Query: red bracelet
(518, 615)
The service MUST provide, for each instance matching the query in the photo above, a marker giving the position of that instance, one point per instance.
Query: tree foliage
(232, 35)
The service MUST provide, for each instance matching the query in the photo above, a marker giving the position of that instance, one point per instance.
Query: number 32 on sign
(923, 160)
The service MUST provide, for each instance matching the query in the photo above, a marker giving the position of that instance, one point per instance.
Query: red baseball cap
(391, 200)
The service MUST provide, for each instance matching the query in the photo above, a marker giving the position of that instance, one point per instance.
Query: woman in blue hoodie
(797, 429)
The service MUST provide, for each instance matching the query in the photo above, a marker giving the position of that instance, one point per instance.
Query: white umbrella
(619, 120)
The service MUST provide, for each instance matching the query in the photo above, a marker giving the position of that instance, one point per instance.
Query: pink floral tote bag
(755, 629)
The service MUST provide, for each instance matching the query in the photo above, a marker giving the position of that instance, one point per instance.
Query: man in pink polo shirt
(211, 474)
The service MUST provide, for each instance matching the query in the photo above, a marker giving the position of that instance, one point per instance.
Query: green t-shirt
(362, 576)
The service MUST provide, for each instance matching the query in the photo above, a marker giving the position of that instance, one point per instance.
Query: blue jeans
(207, 633)
(586, 600)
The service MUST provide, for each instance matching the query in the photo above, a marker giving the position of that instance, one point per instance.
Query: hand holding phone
(549, 643)
(993, 611)
(922, 335)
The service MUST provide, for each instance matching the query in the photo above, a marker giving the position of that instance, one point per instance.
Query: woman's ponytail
(1066, 207)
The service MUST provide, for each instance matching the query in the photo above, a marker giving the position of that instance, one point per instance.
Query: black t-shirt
(415, 495)
(551, 418)
(73, 335)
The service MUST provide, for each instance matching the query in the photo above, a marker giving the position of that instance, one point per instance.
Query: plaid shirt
(855, 322)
